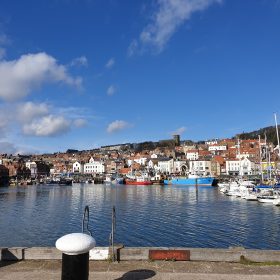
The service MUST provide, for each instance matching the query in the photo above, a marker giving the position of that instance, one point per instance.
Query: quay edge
(144, 254)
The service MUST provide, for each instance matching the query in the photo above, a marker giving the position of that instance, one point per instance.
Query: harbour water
(171, 216)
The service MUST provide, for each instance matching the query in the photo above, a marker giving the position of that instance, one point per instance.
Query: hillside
(270, 132)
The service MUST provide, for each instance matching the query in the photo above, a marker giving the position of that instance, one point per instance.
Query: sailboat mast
(238, 145)
(277, 133)
(260, 156)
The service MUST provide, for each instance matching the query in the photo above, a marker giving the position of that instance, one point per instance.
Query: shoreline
(235, 254)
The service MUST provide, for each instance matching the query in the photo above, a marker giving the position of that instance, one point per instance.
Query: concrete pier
(44, 263)
(144, 254)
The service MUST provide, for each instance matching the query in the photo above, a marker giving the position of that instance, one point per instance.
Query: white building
(232, 167)
(94, 167)
(192, 155)
(33, 168)
(200, 167)
(78, 167)
(166, 165)
(217, 148)
(241, 167)
(212, 142)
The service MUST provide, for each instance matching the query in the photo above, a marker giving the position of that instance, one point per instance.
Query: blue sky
(85, 73)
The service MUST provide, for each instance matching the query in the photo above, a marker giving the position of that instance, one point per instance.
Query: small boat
(138, 182)
(65, 181)
(276, 202)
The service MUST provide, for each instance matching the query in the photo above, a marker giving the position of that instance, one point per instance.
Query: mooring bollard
(75, 249)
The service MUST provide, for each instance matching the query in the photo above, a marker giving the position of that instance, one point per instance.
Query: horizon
(85, 74)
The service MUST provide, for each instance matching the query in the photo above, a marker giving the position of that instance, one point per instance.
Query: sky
(80, 74)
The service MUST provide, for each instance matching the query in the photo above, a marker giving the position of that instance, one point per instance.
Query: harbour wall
(237, 254)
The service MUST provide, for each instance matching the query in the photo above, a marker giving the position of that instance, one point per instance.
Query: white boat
(276, 202)
(251, 197)
(233, 189)
(268, 199)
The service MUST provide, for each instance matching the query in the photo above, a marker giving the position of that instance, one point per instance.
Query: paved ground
(140, 270)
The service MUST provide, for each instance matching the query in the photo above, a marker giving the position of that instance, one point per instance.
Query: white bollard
(75, 249)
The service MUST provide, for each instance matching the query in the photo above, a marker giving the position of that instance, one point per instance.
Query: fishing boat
(138, 182)
(191, 180)
(138, 178)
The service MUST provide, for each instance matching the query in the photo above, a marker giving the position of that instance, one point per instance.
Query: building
(94, 167)
(32, 165)
(200, 167)
(166, 165)
(192, 154)
(78, 167)
(176, 139)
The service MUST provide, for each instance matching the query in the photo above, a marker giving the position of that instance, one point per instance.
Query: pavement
(138, 270)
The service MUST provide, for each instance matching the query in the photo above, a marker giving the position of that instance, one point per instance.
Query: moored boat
(138, 182)
(191, 180)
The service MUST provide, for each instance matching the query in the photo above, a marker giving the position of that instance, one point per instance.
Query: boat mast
(277, 133)
(238, 145)
(266, 155)
(260, 149)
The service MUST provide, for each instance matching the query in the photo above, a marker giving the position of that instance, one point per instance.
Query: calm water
(146, 216)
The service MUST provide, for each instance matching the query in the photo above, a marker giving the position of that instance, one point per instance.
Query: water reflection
(146, 216)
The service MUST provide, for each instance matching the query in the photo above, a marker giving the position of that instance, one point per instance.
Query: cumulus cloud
(179, 131)
(79, 61)
(28, 111)
(19, 77)
(117, 125)
(111, 90)
(79, 122)
(47, 126)
(110, 63)
(169, 16)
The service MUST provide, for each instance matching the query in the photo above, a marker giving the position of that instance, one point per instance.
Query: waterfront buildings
(216, 158)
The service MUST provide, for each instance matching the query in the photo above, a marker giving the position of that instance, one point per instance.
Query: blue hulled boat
(191, 181)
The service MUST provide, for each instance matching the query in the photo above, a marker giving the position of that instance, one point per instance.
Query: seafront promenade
(41, 263)
(138, 270)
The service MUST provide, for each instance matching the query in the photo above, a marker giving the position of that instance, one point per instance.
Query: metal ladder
(112, 234)
(85, 222)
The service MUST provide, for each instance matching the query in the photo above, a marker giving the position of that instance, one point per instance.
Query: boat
(137, 178)
(65, 181)
(118, 181)
(191, 180)
(138, 181)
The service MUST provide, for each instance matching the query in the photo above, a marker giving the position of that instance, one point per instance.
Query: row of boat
(145, 179)
(251, 192)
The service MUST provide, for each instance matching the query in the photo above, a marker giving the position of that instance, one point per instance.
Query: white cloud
(47, 126)
(170, 15)
(79, 61)
(117, 126)
(19, 77)
(79, 122)
(26, 112)
(179, 131)
(111, 90)
(110, 63)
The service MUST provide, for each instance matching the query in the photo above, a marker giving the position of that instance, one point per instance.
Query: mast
(277, 133)
(260, 150)
(238, 145)
(266, 155)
